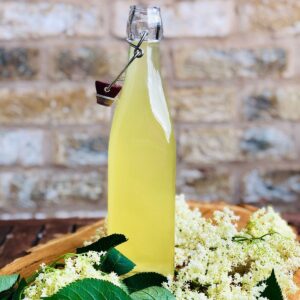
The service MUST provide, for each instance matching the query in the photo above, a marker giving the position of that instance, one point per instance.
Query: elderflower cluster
(217, 261)
(79, 266)
(214, 259)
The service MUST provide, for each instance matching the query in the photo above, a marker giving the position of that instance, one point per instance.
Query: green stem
(241, 238)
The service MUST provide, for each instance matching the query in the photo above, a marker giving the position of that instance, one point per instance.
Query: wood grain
(50, 251)
(28, 233)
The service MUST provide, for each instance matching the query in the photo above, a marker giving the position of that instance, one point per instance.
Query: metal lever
(138, 52)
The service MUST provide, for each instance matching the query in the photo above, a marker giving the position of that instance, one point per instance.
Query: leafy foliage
(273, 290)
(153, 293)
(115, 261)
(142, 281)
(104, 244)
(7, 282)
(17, 295)
(90, 289)
(141, 286)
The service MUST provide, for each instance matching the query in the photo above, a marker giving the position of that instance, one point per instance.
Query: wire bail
(138, 53)
(106, 93)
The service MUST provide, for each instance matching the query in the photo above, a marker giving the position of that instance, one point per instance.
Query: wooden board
(17, 236)
(50, 251)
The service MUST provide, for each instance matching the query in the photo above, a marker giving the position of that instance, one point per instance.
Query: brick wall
(232, 69)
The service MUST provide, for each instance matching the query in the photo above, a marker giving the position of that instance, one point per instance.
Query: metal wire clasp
(106, 93)
(138, 53)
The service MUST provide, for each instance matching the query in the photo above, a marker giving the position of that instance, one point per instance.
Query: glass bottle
(142, 155)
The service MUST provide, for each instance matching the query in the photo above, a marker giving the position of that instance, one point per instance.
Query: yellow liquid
(141, 170)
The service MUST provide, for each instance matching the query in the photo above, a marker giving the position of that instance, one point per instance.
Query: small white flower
(220, 268)
(81, 266)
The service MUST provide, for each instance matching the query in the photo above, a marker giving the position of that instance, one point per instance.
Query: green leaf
(124, 287)
(115, 261)
(153, 293)
(273, 290)
(32, 278)
(8, 281)
(104, 244)
(90, 289)
(19, 291)
(142, 281)
(5, 296)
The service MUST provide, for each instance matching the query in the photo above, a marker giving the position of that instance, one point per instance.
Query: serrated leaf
(19, 291)
(124, 287)
(153, 293)
(115, 261)
(273, 290)
(8, 281)
(104, 244)
(90, 289)
(144, 280)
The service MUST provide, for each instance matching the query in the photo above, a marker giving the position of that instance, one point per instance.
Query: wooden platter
(50, 251)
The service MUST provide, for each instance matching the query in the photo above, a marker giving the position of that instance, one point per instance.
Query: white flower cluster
(216, 261)
(49, 280)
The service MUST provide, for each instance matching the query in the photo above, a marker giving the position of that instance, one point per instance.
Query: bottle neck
(144, 19)
(150, 60)
(143, 87)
